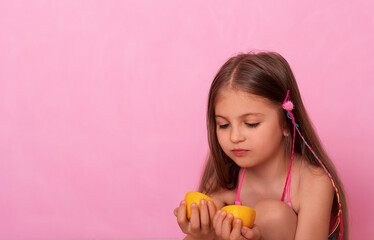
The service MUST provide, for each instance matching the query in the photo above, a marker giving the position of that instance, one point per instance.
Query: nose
(236, 135)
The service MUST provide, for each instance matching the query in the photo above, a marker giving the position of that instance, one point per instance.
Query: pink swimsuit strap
(237, 201)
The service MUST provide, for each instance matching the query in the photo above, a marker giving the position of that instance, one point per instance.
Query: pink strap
(237, 202)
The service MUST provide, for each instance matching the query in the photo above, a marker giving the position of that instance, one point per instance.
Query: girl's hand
(200, 226)
(223, 227)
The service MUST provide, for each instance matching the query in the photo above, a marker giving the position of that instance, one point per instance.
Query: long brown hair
(266, 74)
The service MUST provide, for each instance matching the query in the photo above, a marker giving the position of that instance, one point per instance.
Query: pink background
(102, 105)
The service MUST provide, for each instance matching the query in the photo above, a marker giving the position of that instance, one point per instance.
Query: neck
(270, 171)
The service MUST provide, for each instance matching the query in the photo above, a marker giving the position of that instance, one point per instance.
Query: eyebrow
(244, 115)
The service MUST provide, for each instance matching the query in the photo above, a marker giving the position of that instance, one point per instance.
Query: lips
(240, 152)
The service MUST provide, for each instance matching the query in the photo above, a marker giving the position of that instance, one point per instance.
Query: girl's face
(248, 128)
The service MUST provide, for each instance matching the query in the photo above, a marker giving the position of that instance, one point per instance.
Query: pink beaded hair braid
(288, 106)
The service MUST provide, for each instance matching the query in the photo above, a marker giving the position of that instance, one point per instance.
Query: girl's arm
(316, 198)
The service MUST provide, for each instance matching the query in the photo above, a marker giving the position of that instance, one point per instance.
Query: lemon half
(246, 214)
(195, 197)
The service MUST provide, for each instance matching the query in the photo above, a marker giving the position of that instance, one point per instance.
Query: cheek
(222, 140)
(269, 137)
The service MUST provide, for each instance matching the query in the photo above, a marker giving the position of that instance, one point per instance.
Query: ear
(286, 133)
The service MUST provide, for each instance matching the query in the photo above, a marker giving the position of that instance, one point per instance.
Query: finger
(215, 218)
(195, 218)
(218, 222)
(226, 226)
(256, 232)
(235, 233)
(212, 211)
(204, 216)
(176, 211)
(182, 217)
(251, 233)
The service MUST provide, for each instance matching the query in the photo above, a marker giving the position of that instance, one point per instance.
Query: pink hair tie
(288, 105)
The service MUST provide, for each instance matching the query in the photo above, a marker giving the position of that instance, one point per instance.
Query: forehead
(234, 103)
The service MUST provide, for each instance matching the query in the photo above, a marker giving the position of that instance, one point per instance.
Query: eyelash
(251, 125)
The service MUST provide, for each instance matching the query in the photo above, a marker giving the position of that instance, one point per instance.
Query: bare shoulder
(316, 198)
(314, 180)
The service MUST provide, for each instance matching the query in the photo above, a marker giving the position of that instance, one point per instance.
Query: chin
(247, 162)
(242, 162)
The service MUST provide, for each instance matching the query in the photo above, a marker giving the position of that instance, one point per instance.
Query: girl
(258, 131)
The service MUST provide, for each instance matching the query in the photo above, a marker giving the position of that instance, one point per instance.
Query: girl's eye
(252, 125)
(223, 126)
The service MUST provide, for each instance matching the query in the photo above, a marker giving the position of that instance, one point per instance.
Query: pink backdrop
(102, 105)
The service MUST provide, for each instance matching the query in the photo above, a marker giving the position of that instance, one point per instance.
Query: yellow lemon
(246, 214)
(195, 197)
